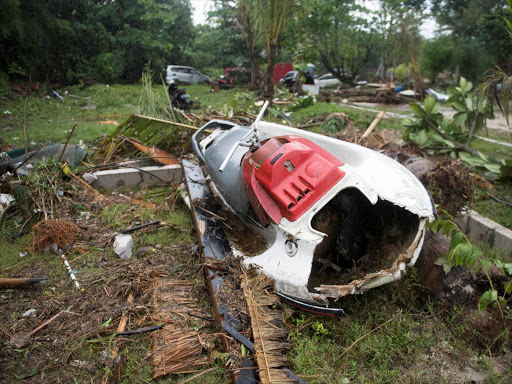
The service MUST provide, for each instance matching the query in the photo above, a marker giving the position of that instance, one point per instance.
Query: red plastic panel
(294, 176)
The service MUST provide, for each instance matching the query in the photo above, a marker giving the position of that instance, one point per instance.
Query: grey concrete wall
(134, 177)
(480, 228)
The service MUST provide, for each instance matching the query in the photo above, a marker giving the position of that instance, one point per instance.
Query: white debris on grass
(123, 246)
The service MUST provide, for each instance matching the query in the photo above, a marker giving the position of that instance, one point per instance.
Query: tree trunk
(268, 90)
(249, 40)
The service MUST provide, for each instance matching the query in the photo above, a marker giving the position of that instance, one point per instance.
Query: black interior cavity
(361, 238)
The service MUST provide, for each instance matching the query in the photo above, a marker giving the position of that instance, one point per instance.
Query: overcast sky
(201, 8)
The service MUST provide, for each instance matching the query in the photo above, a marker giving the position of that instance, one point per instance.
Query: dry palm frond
(268, 328)
(176, 347)
(176, 351)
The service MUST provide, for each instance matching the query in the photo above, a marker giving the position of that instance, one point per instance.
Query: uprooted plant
(463, 252)
(431, 131)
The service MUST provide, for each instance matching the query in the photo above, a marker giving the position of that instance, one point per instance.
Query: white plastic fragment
(70, 272)
(123, 246)
(30, 313)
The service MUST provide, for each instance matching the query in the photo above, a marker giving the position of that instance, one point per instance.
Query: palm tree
(269, 17)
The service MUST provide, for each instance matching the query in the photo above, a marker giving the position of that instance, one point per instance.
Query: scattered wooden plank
(374, 123)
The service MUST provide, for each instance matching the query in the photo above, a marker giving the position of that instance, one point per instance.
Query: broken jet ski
(338, 218)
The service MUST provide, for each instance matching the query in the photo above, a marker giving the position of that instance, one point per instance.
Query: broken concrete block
(503, 240)
(131, 177)
(481, 228)
(123, 246)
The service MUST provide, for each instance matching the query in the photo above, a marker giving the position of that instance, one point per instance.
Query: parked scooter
(338, 218)
(179, 97)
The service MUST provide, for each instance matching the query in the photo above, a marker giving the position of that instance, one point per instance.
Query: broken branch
(20, 282)
(67, 142)
(98, 195)
(373, 124)
(137, 227)
(139, 330)
(499, 200)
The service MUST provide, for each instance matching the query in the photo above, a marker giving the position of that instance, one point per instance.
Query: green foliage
(108, 67)
(423, 118)
(477, 27)
(463, 253)
(470, 59)
(242, 101)
(429, 129)
(333, 126)
(345, 40)
(218, 46)
(402, 72)
(70, 41)
(436, 56)
(472, 109)
(302, 102)
(4, 84)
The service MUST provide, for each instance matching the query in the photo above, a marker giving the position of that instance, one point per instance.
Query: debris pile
(177, 347)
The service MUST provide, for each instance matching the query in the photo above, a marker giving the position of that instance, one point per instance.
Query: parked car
(184, 75)
(289, 79)
(327, 80)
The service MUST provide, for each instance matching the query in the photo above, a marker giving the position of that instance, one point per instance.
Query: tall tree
(479, 21)
(270, 17)
(236, 25)
(76, 40)
(342, 35)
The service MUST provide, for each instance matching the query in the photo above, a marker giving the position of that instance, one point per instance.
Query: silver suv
(184, 75)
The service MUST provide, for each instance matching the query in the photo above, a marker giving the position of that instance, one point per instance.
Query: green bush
(109, 67)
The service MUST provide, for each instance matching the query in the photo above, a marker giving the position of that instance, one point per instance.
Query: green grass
(496, 134)
(360, 119)
(211, 100)
(500, 213)
(386, 355)
(51, 119)
(491, 149)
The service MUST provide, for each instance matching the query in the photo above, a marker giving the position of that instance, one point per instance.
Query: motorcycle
(224, 82)
(179, 97)
(337, 218)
